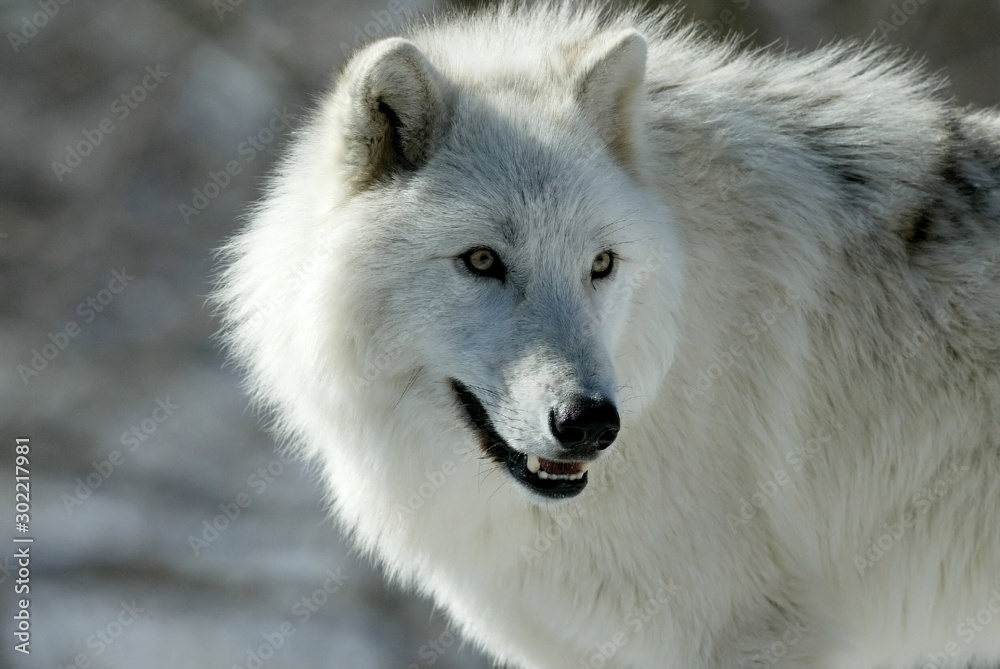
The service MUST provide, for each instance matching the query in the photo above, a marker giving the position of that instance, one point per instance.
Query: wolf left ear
(394, 110)
(608, 89)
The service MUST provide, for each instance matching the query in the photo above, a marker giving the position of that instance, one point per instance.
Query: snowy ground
(168, 93)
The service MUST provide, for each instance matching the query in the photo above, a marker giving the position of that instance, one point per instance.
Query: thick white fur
(802, 336)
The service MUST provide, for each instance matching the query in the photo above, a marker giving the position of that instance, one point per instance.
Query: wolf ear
(394, 110)
(608, 89)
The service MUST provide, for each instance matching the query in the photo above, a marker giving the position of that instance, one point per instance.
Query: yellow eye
(481, 259)
(602, 265)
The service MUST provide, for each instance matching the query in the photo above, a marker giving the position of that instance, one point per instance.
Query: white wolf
(756, 293)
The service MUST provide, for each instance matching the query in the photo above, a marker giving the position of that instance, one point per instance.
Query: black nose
(585, 424)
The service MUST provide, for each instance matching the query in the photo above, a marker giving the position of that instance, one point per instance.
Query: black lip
(497, 449)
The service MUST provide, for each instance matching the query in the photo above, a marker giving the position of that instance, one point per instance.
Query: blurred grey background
(118, 121)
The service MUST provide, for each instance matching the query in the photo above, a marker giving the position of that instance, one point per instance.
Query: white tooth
(583, 467)
(543, 474)
(533, 464)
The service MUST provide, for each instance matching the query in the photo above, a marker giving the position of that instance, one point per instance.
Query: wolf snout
(585, 425)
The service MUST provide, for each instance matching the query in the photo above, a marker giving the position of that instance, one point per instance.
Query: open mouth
(551, 478)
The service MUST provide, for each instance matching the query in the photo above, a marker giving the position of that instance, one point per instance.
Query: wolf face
(503, 253)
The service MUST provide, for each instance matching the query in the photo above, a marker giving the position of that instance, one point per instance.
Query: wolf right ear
(392, 102)
(608, 90)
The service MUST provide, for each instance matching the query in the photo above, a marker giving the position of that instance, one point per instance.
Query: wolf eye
(484, 262)
(603, 264)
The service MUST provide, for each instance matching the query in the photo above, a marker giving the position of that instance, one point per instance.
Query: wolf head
(500, 271)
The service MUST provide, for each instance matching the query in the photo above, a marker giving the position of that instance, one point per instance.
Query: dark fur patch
(828, 140)
(920, 229)
(828, 129)
(848, 175)
(659, 89)
(952, 170)
(395, 126)
(952, 175)
(820, 102)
